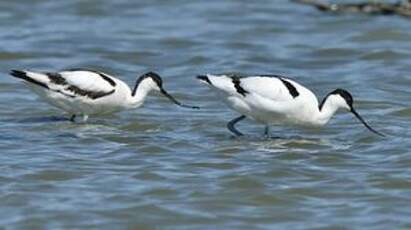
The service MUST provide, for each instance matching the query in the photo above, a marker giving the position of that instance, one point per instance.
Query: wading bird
(274, 99)
(87, 92)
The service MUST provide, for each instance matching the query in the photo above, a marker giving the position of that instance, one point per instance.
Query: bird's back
(90, 80)
(77, 90)
(266, 98)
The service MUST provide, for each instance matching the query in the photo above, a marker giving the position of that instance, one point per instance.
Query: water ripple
(161, 165)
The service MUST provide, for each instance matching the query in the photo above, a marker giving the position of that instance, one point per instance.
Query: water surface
(164, 166)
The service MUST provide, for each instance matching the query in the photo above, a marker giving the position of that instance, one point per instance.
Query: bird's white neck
(325, 113)
(329, 107)
(140, 92)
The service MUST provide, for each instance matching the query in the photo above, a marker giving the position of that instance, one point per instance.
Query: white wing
(272, 88)
(72, 83)
(222, 83)
(89, 80)
(269, 87)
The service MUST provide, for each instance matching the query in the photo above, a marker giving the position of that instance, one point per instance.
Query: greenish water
(165, 167)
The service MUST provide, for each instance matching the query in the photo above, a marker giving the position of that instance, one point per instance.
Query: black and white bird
(274, 99)
(84, 92)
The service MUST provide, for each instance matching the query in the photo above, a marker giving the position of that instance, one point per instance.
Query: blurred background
(163, 166)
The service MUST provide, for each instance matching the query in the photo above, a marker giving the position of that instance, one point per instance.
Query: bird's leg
(267, 131)
(85, 117)
(230, 125)
(73, 118)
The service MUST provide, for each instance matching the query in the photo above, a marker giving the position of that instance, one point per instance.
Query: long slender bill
(177, 102)
(365, 124)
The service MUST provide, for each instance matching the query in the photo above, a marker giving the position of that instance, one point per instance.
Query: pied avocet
(274, 99)
(88, 92)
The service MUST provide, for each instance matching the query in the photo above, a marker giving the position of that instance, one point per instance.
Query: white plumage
(273, 99)
(87, 92)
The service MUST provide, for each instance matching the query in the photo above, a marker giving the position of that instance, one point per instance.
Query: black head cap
(349, 100)
(344, 94)
(156, 78)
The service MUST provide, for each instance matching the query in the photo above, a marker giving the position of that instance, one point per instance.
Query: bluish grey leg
(267, 131)
(73, 118)
(230, 125)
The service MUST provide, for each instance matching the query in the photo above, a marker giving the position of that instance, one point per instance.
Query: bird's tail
(18, 73)
(34, 78)
(222, 82)
(204, 78)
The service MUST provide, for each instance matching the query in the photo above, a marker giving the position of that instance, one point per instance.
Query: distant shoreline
(402, 8)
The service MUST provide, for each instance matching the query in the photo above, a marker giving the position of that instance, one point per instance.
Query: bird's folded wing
(85, 83)
(223, 83)
(271, 88)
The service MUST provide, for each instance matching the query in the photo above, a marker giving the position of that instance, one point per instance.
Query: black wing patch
(91, 94)
(23, 75)
(57, 79)
(102, 75)
(237, 82)
(108, 79)
(291, 88)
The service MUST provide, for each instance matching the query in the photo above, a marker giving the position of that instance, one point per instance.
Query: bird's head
(341, 98)
(148, 81)
(152, 81)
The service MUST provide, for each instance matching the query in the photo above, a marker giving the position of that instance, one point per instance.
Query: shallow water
(162, 166)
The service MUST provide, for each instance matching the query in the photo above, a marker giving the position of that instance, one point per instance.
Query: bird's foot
(267, 132)
(83, 118)
(73, 118)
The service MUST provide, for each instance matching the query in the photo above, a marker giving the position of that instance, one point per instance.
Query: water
(167, 167)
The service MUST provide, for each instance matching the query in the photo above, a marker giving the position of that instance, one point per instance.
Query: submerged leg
(267, 131)
(73, 118)
(85, 117)
(230, 125)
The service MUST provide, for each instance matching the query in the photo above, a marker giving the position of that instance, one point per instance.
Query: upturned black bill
(177, 102)
(365, 123)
